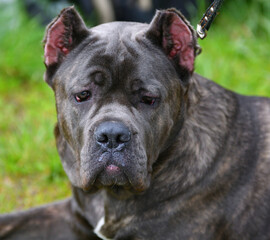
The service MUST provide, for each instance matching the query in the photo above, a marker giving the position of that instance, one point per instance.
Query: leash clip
(208, 18)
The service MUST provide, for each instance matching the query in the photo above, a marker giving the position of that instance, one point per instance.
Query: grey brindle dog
(152, 150)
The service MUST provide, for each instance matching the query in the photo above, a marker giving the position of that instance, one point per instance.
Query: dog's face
(120, 94)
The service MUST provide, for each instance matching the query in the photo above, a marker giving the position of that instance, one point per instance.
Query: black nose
(112, 134)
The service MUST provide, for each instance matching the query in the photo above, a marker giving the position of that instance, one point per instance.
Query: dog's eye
(83, 96)
(148, 100)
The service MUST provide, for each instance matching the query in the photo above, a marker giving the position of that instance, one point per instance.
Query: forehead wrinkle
(117, 49)
(119, 39)
(113, 43)
(129, 46)
(122, 50)
(122, 43)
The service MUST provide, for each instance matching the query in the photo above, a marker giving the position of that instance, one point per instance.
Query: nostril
(122, 138)
(102, 138)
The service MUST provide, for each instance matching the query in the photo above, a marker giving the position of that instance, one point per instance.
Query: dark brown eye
(148, 100)
(83, 96)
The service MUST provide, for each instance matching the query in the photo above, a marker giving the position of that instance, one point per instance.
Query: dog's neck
(196, 143)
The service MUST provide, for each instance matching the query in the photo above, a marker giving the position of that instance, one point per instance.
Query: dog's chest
(111, 228)
(97, 229)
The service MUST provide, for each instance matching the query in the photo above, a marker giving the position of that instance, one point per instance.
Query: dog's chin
(114, 171)
(114, 180)
(112, 175)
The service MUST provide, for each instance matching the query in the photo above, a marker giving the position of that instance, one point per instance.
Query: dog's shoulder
(247, 119)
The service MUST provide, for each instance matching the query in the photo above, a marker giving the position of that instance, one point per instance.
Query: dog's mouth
(116, 170)
(112, 175)
(113, 172)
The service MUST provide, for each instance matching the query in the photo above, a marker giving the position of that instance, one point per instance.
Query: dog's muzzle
(113, 139)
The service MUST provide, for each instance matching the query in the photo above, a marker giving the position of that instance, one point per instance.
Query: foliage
(236, 50)
(30, 169)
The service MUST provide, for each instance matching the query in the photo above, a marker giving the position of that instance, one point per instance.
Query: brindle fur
(199, 162)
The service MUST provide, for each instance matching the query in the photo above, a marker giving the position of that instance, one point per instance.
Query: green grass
(235, 54)
(30, 169)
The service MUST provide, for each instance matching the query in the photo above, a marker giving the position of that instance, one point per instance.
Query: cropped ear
(173, 33)
(62, 35)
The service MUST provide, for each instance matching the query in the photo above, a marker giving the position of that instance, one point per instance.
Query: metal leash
(208, 18)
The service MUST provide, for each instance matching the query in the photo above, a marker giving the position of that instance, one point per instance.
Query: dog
(152, 150)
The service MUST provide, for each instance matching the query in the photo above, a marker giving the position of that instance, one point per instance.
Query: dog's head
(120, 92)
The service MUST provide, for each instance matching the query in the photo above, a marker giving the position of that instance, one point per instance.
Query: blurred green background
(236, 54)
